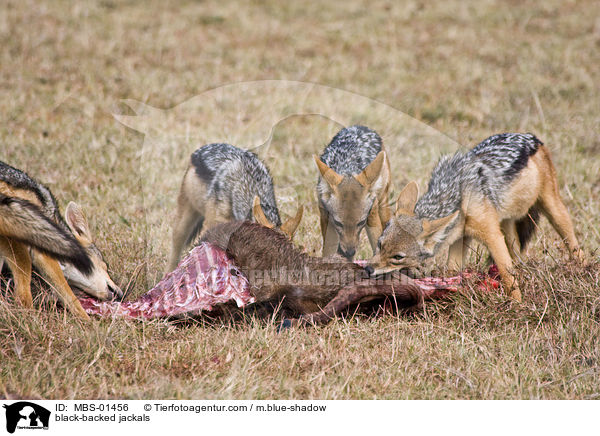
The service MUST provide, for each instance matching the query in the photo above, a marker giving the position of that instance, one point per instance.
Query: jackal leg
(457, 254)
(556, 212)
(52, 272)
(187, 222)
(485, 226)
(512, 238)
(329, 234)
(17, 256)
(374, 226)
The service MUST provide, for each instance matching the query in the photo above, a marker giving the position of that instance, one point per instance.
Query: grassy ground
(467, 69)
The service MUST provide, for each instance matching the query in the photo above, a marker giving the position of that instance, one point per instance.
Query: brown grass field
(466, 69)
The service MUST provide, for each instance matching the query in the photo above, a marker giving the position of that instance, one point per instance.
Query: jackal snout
(347, 252)
(399, 248)
(409, 242)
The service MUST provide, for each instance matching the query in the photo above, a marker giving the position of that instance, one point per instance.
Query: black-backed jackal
(493, 193)
(353, 190)
(32, 231)
(224, 183)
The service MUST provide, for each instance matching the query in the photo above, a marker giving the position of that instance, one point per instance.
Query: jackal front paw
(580, 257)
(515, 294)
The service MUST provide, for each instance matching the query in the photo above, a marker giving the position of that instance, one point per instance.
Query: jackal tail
(25, 222)
(526, 226)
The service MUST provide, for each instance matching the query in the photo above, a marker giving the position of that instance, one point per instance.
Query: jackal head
(289, 227)
(409, 242)
(97, 283)
(348, 200)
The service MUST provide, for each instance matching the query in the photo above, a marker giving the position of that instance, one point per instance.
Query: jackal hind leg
(556, 212)
(16, 255)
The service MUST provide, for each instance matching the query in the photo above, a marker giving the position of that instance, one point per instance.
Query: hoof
(284, 325)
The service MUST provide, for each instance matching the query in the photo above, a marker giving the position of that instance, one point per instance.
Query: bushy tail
(526, 226)
(25, 222)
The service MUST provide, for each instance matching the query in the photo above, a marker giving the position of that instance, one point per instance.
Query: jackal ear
(407, 199)
(77, 222)
(291, 225)
(259, 215)
(330, 176)
(372, 172)
(438, 230)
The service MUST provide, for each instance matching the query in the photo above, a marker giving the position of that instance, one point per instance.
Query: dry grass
(468, 69)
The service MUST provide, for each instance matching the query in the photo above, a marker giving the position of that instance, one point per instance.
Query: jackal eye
(337, 223)
(398, 256)
(362, 223)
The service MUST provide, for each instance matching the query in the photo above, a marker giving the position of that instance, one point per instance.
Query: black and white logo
(26, 415)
